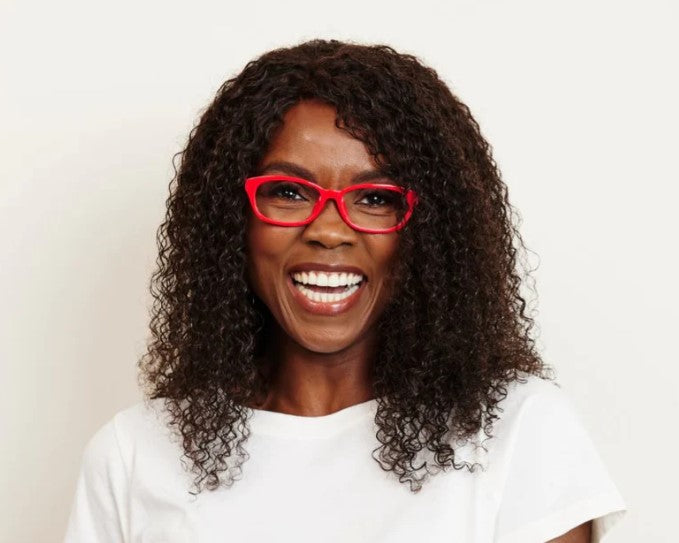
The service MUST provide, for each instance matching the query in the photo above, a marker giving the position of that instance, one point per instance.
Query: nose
(329, 229)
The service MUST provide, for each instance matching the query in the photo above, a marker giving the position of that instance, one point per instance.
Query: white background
(577, 98)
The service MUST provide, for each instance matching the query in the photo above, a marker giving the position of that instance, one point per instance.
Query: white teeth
(327, 297)
(325, 279)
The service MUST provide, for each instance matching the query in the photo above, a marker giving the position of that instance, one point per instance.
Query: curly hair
(458, 333)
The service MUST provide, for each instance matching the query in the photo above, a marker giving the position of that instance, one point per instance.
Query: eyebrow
(296, 170)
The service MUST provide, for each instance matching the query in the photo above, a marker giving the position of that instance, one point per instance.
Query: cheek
(267, 246)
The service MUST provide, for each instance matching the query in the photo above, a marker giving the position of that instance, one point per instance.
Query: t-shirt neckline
(299, 426)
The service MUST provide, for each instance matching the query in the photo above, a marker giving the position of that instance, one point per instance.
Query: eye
(378, 198)
(373, 199)
(285, 191)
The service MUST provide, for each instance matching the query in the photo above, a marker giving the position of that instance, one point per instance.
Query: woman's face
(287, 263)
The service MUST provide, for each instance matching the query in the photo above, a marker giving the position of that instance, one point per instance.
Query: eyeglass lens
(373, 208)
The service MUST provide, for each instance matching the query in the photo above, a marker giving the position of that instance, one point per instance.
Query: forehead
(309, 136)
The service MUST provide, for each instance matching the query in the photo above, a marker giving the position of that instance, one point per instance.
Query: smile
(326, 292)
(327, 287)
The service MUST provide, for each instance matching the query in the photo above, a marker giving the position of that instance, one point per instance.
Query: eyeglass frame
(253, 183)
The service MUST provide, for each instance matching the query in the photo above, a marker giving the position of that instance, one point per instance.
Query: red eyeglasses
(373, 208)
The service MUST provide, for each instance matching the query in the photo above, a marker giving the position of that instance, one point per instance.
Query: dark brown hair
(450, 343)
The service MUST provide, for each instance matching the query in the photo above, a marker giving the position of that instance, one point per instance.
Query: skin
(320, 363)
(580, 534)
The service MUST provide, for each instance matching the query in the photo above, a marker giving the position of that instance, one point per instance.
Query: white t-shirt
(314, 479)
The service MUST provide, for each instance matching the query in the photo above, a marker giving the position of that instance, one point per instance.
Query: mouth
(327, 292)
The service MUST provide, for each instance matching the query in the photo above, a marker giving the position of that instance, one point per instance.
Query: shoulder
(142, 418)
(530, 394)
(130, 442)
(535, 415)
(528, 387)
(128, 429)
(546, 472)
(540, 434)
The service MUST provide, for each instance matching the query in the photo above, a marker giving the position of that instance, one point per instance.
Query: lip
(325, 308)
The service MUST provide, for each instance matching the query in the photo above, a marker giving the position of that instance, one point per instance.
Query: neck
(307, 383)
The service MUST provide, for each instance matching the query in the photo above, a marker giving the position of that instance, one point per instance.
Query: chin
(324, 342)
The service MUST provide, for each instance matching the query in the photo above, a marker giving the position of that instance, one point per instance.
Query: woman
(340, 349)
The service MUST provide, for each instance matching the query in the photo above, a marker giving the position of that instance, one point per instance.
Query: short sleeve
(98, 509)
(555, 478)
